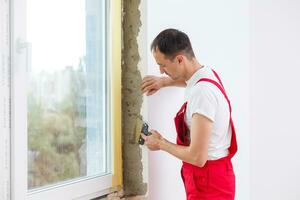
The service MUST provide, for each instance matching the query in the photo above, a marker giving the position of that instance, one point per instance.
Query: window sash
(89, 188)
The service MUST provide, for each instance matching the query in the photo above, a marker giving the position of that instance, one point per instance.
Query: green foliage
(55, 138)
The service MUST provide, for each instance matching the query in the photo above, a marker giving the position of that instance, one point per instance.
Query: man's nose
(162, 71)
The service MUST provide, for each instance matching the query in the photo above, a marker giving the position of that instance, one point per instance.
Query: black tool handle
(145, 131)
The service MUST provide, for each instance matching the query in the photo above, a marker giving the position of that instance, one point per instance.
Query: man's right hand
(151, 84)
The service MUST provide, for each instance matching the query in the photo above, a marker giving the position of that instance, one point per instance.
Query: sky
(56, 31)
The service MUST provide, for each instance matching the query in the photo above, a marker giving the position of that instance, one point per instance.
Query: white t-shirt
(206, 99)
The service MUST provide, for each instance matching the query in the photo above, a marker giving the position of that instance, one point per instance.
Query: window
(64, 98)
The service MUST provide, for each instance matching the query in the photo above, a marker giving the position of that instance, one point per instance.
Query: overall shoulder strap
(233, 145)
(220, 88)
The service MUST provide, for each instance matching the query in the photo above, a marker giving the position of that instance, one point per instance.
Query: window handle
(23, 46)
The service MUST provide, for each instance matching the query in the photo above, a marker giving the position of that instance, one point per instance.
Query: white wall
(275, 97)
(219, 32)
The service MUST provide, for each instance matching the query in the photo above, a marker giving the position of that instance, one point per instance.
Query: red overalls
(216, 179)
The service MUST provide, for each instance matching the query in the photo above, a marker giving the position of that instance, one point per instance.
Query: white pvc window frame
(4, 101)
(82, 189)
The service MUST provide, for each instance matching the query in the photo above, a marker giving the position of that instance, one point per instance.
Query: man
(205, 133)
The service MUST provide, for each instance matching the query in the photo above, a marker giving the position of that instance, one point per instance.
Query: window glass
(66, 101)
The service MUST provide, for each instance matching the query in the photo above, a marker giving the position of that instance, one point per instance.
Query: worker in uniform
(206, 139)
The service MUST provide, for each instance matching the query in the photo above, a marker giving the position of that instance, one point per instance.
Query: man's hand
(153, 141)
(151, 84)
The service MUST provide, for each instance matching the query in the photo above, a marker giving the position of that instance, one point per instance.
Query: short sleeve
(203, 101)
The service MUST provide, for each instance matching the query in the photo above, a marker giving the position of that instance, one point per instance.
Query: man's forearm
(183, 153)
(167, 81)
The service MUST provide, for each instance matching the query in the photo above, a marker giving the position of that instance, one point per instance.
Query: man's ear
(179, 58)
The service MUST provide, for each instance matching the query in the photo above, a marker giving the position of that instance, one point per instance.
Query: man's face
(166, 65)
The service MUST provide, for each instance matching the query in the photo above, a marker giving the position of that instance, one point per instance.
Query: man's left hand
(153, 141)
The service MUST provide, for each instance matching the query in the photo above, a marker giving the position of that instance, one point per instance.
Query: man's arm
(197, 152)
(167, 81)
(152, 84)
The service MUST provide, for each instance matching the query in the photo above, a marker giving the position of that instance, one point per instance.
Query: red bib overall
(216, 179)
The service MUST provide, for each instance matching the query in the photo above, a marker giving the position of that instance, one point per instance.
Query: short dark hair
(171, 42)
